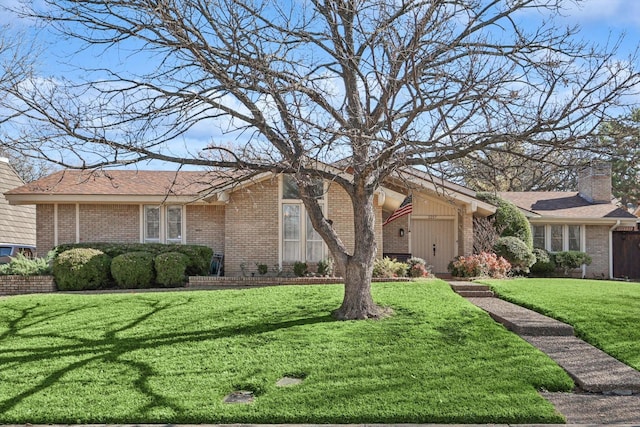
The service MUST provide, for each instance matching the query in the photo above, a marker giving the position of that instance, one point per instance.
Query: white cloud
(608, 13)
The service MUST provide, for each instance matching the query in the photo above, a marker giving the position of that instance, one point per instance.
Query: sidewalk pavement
(608, 391)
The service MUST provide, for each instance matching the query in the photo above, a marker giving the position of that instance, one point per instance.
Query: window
(151, 224)
(557, 237)
(290, 188)
(574, 237)
(163, 224)
(174, 224)
(538, 236)
(300, 241)
(291, 232)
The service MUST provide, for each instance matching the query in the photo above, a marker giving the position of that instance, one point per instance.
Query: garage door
(434, 241)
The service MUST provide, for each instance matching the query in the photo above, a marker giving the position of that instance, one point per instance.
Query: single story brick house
(17, 223)
(583, 220)
(260, 219)
(250, 219)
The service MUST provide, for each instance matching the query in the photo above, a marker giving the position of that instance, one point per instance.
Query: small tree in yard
(380, 84)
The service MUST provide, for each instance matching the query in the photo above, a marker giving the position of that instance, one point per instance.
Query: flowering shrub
(482, 264)
(418, 267)
(387, 267)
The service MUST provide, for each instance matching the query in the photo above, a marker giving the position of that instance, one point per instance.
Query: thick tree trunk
(358, 268)
(358, 302)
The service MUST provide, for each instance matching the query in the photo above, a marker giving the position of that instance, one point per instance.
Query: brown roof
(122, 182)
(562, 204)
(17, 223)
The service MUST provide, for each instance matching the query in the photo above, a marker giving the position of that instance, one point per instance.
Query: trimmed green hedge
(199, 256)
(171, 268)
(82, 268)
(514, 250)
(133, 270)
(509, 218)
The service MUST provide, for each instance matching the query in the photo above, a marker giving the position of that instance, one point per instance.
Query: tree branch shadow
(112, 348)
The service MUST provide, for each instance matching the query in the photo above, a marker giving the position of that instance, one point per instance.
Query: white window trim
(162, 234)
(565, 235)
(303, 222)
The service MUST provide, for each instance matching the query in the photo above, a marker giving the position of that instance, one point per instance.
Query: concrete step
(520, 320)
(475, 294)
(468, 286)
(592, 369)
(471, 290)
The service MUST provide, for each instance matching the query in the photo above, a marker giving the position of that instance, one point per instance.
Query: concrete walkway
(616, 384)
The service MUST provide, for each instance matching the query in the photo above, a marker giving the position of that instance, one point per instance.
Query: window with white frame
(300, 241)
(162, 224)
(557, 237)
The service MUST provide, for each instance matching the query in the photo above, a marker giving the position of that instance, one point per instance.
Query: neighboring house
(251, 219)
(584, 220)
(17, 223)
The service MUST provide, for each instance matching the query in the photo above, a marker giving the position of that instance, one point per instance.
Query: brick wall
(20, 285)
(205, 226)
(110, 223)
(251, 227)
(597, 246)
(67, 223)
(393, 242)
(44, 229)
(465, 233)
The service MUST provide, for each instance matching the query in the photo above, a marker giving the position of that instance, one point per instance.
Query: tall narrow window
(151, 224)
(300, 241)
(291, 232)
(315, 244)
(574, 237)
(174, 224)
(557, 238)
(539, 236)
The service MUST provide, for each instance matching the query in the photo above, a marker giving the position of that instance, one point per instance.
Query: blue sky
(601, 21)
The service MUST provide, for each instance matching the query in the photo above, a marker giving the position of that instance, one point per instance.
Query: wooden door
(434, 241)
(626, 254)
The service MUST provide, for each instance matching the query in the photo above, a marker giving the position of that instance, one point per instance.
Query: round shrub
(509, 219)
(417, 267)
(545, 264)
(516, 252)
(484, 264)
(81, 268)
(133, 270)
(568, 260)
(387, 267)
(171, 268)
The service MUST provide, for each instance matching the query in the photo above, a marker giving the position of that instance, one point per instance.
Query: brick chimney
(594, 182)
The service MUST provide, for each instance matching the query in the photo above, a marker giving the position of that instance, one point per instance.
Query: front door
(434, 241)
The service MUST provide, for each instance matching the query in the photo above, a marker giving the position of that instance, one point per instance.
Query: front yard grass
(172, 357)
(603, 313)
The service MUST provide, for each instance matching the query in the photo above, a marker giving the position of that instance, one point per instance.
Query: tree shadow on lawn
(112, 348)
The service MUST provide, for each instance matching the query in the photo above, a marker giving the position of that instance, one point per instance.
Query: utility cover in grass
(288, 381)
(240, 396)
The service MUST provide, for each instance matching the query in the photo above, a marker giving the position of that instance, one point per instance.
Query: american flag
(405, 208)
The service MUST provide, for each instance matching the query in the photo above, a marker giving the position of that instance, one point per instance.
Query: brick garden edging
(204, 281)
(20, 285)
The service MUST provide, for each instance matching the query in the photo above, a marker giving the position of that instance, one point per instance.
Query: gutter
(611, 248)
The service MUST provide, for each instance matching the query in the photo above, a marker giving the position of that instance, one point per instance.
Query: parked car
(7, 251)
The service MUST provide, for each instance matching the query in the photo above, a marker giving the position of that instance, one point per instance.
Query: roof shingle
(562, 204)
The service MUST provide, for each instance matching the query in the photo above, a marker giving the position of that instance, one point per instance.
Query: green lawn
(603, 313)
(172, 357)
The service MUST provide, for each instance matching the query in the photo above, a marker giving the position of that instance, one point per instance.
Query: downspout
(611, 248)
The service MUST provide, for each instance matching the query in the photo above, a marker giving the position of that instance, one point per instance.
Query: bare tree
(384, 84)
(515, 166)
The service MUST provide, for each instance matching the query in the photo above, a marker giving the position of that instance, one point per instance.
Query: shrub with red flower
(484, 264)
